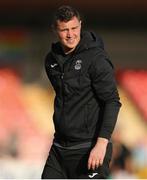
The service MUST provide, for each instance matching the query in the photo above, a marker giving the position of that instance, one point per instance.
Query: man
(86, 103)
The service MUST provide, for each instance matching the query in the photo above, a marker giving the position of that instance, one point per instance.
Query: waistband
(77, 146)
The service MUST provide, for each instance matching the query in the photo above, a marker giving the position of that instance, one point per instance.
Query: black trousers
(72, 164)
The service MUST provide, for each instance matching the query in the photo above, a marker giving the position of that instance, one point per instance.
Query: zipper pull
(62, 75)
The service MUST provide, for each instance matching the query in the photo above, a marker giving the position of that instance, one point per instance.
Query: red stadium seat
(135, 83)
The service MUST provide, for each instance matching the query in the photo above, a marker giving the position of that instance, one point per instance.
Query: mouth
(70, 41)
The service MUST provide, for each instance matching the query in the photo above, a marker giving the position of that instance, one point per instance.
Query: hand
(97, 154)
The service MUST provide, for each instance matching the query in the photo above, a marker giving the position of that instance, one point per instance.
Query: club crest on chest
(78, 64)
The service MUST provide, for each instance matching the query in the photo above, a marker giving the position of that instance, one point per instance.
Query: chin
(72, 46)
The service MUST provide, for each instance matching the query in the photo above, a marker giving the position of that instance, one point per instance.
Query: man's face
(69, 33)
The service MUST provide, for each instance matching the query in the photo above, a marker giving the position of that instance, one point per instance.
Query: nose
(69, 33)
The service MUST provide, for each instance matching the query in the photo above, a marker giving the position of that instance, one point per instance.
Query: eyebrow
(67, 28)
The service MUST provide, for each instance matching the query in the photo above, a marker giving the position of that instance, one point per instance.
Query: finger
(89, 163)
(89, 166)
(97, 164)
(101, 162)
(93, 164)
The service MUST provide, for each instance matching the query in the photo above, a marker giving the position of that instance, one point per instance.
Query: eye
(63, 30)
(74, 28)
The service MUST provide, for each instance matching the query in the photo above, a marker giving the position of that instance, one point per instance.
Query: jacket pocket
(78, 124)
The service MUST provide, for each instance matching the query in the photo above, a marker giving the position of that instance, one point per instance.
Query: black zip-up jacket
(86, 102)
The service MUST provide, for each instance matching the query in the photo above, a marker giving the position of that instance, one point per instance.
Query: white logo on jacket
(53, 65)
(78, 64)
(93, 174)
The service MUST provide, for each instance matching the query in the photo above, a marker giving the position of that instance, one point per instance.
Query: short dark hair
(65, 13)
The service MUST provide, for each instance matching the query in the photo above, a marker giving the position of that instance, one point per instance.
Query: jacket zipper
(62, 76)
(62, 79)
(63, 99)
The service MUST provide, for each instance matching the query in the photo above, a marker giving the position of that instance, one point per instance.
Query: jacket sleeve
(105, 88)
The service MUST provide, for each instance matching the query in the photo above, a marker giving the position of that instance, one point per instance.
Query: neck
(68, 51)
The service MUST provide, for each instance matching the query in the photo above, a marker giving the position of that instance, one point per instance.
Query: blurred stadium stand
(26, 96)
(134, 82)
(38, 12)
